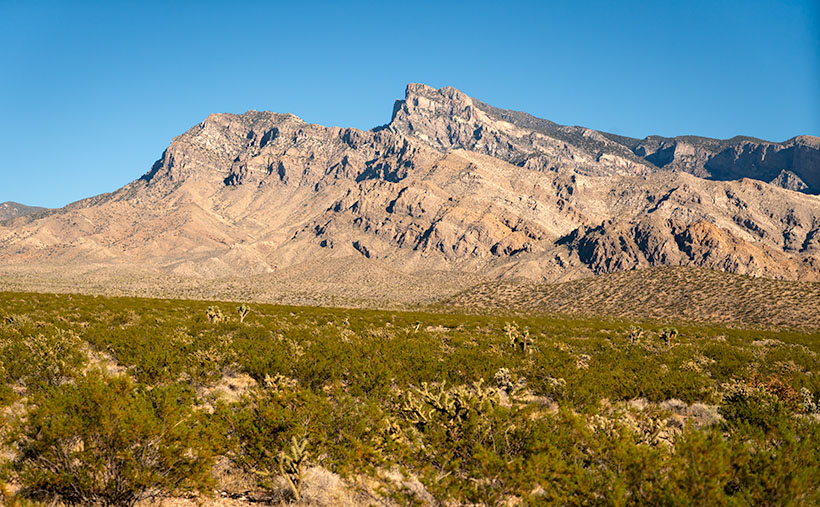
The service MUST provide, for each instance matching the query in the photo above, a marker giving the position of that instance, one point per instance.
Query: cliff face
(449, 184)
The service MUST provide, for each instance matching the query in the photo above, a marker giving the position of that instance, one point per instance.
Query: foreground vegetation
(113, 400)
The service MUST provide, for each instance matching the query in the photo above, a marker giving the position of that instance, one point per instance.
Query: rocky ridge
(450, 185)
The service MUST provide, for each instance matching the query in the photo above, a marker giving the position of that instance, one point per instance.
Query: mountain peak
(811, 141)
(437, 94)
(418, 89)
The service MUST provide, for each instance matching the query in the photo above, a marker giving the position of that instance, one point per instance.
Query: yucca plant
(243, 311)
(668, 335)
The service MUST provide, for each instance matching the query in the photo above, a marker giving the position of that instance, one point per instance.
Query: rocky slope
(450, 185)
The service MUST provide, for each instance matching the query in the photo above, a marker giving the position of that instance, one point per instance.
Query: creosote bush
(103, 440)
(265, 423)
(45, 357)
(763, 404)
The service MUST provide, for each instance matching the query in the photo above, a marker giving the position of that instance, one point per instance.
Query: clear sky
(92, 92)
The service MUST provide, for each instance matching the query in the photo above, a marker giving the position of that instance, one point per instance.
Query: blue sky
(92, 92)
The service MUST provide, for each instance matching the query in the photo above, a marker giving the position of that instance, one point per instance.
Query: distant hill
(664, 293)
(9, 210)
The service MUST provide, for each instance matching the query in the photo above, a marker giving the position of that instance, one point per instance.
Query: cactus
(214, 314)
(558, 386)
(243, 311)
(511, 330)
(416, 411)
(292, 465)
(519, 340)
(452, 405)
(279, 383)
(17, 321)
(507, 382)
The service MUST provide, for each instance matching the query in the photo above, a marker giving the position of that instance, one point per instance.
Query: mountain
(450, 186)
(9, 210)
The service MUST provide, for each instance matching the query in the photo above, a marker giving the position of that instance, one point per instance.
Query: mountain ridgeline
(792, 164)
(450, 185)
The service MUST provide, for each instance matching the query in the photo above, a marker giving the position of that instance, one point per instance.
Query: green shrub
(558, 425)
(756, 404)
(701, 471)
(43, 359)
(103, 440)
(264, 423)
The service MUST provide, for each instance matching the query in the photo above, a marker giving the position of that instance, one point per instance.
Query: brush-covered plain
(115, 400)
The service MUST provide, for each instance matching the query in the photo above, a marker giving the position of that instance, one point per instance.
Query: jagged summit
(450, 185)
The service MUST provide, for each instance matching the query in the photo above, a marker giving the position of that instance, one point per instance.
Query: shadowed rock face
(792, 164)
(449, 184)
